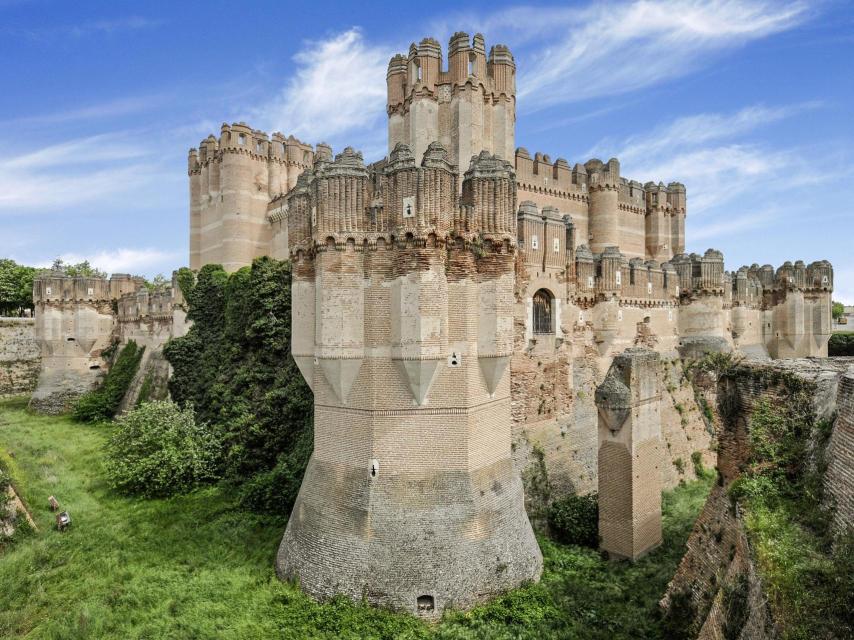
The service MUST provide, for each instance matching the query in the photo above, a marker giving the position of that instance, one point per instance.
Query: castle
(455, 306)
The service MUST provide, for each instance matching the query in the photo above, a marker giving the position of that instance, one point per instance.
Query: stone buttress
(403, 327)
(630, 455)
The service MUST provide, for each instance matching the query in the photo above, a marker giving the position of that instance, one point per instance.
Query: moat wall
(20, 356)
(719, 567)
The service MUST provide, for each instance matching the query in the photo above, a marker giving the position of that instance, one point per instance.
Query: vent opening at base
(426, 604)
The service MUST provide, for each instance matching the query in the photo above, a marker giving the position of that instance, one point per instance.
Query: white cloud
(111, 109)
(83, 170)
(704, 128)
(338, 87)
(570, 53)
(123, 260)
(608, 49)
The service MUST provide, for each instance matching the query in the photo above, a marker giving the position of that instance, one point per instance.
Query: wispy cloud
(568, 54)
(84, 29)
(337, 88)
(111, 109)
(703, 128)
(77, 171)
(718, 156)
(124, 260)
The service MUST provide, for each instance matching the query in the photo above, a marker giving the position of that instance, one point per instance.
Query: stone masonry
(630, 455)
(403, 328)
(20, 356)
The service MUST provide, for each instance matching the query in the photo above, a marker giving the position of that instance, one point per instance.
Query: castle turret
(469, 108)
(604, 215)
(412, 465)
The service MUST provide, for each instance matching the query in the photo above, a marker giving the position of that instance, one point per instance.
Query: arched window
(543, 323)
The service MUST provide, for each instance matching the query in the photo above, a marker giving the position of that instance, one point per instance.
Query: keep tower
(403, 328)
(469, 107)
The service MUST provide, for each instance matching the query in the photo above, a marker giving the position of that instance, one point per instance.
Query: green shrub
(235, 366)
(575, 520)
(841, 344)
(697, 460)
(103, 402)
(159, 450)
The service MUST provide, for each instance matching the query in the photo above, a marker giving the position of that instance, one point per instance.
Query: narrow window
(535, 242)
(543, 312)
(556, 245)
(618, 277)
(241, 138)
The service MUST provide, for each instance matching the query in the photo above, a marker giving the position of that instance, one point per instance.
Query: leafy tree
(158, 282)
(159, 450)
(837, 310)
(235, 366)
(80, 269)
(16, 287)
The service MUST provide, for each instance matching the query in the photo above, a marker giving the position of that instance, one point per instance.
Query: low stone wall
(20, 356)
(839, 478)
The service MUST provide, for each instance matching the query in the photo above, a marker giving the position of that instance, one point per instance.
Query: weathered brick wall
(718, 553)
(839, 478)
(20, 356)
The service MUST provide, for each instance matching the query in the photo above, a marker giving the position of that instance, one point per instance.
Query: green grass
(197, 567)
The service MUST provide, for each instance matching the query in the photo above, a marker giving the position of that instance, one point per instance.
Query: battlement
(752, 286)
(241, 138)
(610, 275)
(422, 70)
(467, 107)
(52, 287)
(340, 201)
(144, 304)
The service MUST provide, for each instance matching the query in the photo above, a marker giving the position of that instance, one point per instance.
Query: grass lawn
(196, 567)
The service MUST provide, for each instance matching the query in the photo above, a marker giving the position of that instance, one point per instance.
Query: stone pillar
(628, 401)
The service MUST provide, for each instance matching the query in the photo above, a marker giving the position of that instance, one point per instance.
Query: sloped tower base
(418, 542)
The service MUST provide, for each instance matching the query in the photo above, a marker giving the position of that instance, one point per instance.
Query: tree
(838, 310)
(16, 287)
(81, 269)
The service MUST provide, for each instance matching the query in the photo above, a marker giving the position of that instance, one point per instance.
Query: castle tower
(469, 108)
(604, 213)
(232, 180)
(410, 499)
(630, 455)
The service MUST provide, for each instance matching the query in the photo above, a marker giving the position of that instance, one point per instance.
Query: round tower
(603, 212)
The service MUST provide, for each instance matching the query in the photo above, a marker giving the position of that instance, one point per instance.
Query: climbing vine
(235, 367)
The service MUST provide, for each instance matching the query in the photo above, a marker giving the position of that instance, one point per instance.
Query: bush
(159, 450)
(103, 403)
(235, 366)
(841, 344)
(575, 520)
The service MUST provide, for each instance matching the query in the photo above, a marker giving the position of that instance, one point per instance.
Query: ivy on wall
(235, 367)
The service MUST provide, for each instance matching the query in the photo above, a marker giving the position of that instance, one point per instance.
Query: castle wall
(73, 325)
(20, 356)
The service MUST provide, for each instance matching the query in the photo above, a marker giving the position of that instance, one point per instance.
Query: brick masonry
(20, 356)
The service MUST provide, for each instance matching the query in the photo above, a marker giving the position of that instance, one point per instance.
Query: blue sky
(750, 103)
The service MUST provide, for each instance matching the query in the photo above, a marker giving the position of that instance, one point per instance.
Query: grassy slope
(194, 567)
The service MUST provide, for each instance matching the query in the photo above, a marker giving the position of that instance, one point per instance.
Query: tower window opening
(471, 64)
(543, 301)
(241, 138)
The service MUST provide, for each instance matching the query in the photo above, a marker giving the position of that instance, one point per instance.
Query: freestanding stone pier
(628, 401)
